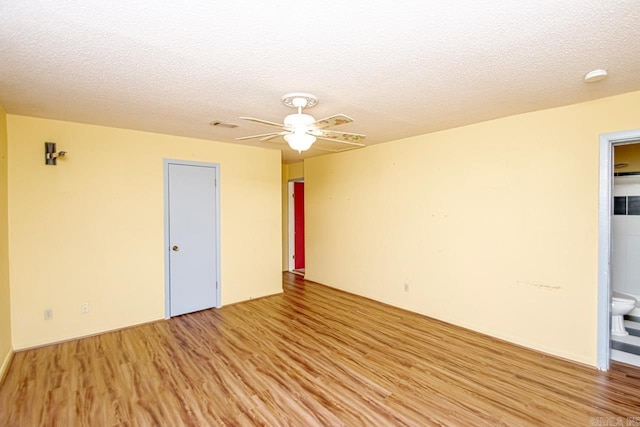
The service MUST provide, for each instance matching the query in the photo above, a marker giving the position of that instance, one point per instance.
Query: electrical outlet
(48, 313)
(406, 287)
(84, 308)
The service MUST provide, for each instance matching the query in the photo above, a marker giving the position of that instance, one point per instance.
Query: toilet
(621, 304)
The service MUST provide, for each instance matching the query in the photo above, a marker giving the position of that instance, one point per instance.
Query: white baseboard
(4, 368)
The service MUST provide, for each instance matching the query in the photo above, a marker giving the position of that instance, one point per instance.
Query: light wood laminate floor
(311, 356)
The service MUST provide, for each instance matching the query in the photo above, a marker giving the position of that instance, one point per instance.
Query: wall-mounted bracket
(50, 155)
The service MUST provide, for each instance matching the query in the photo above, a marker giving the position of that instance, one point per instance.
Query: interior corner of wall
(6, 362)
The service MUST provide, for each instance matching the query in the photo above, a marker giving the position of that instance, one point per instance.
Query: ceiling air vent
(220, 124)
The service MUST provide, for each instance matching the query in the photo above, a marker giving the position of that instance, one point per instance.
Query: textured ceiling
(398, 68)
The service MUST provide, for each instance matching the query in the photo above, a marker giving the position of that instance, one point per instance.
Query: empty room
(330, 214)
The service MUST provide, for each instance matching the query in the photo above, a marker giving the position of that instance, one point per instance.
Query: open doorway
(296, 227)
(608, 238)
(625, 253)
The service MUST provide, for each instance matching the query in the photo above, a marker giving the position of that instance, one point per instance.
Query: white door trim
(167, 245)
(292, 224)
(607, 141)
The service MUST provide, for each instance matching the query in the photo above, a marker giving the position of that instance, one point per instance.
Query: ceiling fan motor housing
(298, 122)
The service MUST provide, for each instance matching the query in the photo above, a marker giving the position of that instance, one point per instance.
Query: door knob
(175, 249)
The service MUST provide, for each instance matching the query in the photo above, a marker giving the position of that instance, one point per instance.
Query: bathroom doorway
(625, 246)
(613, 238)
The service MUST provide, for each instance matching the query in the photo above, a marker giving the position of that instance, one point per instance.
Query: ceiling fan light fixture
(300, 141)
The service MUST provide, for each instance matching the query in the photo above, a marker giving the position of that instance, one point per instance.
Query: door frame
(167, 243)
(607, 142)
(291, 224)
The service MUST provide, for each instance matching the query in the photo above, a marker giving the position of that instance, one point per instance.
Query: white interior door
(192, 237)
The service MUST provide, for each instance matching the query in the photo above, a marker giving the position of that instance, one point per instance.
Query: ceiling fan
(300, 130)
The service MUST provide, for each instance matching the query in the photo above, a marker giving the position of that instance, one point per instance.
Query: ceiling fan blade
(342, 141)
(336, 135)
(274, 134)
(263, 122)
(268, 138)
(338, 119)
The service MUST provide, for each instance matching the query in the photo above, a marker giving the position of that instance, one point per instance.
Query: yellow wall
(5, 306)
(296, 170)
(493, 226)
(91, 228)
(285, 218)
(292, 171)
